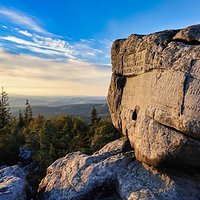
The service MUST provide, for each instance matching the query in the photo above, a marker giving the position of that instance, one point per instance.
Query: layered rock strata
(154, 95)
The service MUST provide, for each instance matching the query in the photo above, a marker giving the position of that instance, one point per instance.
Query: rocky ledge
(113, 173)
(13, 184)
(154, 95)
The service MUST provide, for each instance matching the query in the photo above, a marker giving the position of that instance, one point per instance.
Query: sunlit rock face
(13, 184)
(112, 173)
(154, 95)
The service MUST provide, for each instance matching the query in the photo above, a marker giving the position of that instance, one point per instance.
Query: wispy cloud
(50, 76)
(88, 50)
(26, 33)
(54, 44)
(46, 46)
(85, 49)
(21, 19)
(39, 67)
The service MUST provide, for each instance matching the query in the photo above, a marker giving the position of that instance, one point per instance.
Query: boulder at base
(13, 185)
(154, 95)
(113, 174)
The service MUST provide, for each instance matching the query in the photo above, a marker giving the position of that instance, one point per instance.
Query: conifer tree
(94, 117)
(28, 115)
(4, 109)
(20, 119)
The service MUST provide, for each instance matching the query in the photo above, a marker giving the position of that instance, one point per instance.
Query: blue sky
(62, 47)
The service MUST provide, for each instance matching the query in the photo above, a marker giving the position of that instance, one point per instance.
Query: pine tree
(94, 117)
(28, 115)
(4, 109)
(20, 120)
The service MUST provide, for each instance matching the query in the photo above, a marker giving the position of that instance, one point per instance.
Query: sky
(51, 48)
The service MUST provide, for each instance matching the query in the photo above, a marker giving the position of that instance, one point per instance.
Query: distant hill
(52, 101)
(53, 106)
(82, 110)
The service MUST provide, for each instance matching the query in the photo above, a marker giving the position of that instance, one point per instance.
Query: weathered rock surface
(154, 95)
(13, 185)
(113, 173)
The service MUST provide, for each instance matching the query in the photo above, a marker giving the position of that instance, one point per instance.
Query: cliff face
(154, 95)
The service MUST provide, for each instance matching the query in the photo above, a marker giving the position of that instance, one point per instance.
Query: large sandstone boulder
(113, 174)
(154, 95)
(13, 184)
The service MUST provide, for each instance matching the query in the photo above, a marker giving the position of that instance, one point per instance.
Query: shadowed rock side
(113, 173)
(13, 184)
(154, 95)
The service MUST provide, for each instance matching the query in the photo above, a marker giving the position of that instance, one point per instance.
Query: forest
(48, 139)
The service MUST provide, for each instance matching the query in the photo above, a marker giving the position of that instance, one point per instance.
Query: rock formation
(113, 173)
(154, 95)
(154, 99)
(13, 184)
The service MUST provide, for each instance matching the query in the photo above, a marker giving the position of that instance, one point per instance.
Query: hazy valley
(55, 106)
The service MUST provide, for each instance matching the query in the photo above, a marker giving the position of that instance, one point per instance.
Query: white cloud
(21, 19)
(4, 27)
(46, 46)
(28, 75)
(83, 50)
(16, 40)
(55, 44)
(26, 33)
(41, 51)
(106, 42)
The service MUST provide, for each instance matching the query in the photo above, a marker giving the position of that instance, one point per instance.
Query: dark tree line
(11, 130)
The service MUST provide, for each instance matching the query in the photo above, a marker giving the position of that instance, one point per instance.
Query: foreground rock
(154, 95)
(13, 185)
(113, 173)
